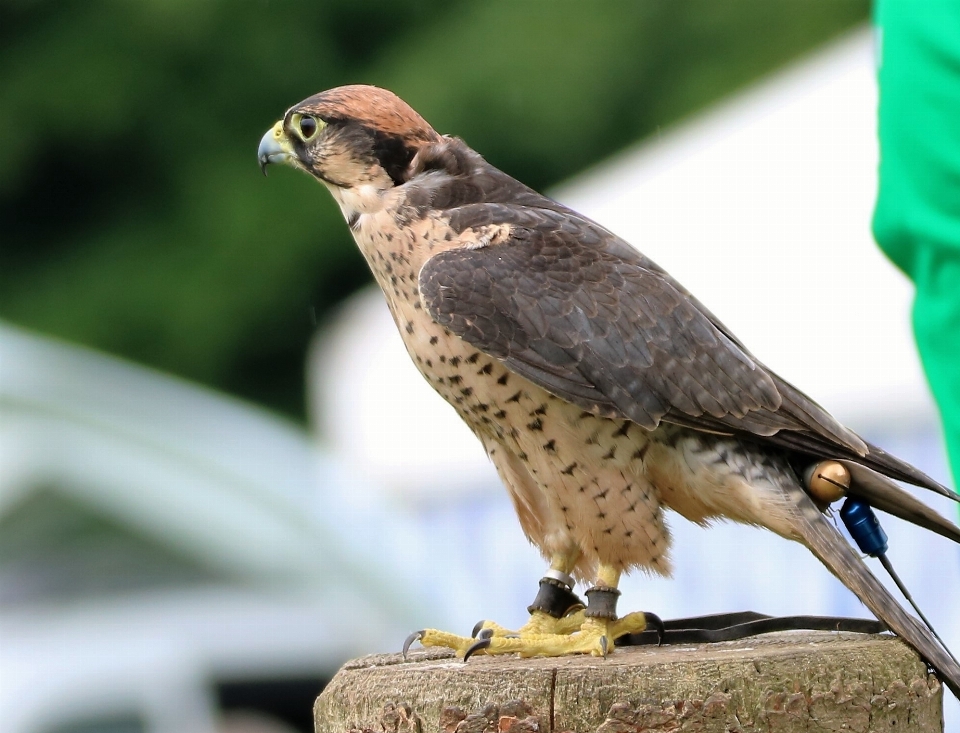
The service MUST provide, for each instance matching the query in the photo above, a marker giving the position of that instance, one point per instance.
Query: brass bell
(827, 481)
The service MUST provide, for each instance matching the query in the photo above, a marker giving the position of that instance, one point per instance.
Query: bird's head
(349, 137)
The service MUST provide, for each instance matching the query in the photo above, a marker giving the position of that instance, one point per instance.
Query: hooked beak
(274, 147)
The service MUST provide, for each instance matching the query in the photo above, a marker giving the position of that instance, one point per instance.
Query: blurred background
(211, 494)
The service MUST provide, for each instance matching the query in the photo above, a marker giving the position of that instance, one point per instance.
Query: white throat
(357, 201)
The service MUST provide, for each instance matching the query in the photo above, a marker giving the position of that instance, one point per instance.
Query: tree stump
(785, 682)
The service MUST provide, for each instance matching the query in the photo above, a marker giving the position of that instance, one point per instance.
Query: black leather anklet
(602, 602)
(555, 599)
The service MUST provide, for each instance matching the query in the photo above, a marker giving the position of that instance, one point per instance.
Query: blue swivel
(864, 527)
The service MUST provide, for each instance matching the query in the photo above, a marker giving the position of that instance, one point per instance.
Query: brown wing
(579, 312)
(583, 314)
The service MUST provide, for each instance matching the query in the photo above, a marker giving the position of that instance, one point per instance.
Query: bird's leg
(601, 621)
(596, 627)
(590, 631)
(555, 610)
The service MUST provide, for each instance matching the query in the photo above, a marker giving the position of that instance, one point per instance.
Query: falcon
(601, 389)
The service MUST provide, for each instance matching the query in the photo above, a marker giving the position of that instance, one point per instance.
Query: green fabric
(917, 217)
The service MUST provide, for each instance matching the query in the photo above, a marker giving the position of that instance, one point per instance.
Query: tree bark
(786, 682)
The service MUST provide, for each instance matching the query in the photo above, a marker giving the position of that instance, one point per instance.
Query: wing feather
(604, 331)
(570, 306)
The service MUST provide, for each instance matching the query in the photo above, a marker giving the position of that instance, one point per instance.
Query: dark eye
(308, 127)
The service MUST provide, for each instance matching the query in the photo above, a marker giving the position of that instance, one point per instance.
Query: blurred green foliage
(135, 219)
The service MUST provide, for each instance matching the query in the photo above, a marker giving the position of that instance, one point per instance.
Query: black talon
(477, 628)
(415, 636)
(657, 622)
(476, 647)
(485, 634)
(603, 645)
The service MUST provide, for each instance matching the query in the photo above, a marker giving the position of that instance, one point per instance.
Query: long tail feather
(833, 551)
(881, 461)
(883, 494)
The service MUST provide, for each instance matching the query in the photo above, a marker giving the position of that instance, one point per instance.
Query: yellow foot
(539, 637)
(539, 623)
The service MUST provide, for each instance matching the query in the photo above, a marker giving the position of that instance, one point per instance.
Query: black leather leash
(731, 626)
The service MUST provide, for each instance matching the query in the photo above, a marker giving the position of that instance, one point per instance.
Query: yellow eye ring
(306, 126)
